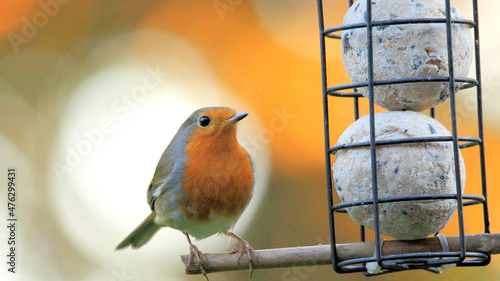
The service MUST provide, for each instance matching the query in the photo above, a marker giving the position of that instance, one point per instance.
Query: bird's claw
(250, 254)
(197, 259)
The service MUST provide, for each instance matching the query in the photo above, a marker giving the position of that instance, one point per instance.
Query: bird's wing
(168, 171)
(156, 189)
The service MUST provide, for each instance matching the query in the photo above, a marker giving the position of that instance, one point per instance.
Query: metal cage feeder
(431, 261)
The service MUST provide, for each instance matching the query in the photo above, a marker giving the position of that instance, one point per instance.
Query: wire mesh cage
(422, 260)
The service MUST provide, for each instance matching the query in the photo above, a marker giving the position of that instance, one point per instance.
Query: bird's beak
(235, 118)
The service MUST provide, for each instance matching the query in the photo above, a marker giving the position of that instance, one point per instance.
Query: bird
(202, 184)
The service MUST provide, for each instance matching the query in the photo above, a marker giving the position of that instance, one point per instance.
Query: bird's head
(211, 123)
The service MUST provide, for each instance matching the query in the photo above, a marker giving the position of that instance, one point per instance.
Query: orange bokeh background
(264, 71)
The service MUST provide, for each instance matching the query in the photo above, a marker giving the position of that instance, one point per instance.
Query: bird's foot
(197, 259)
(247, 250)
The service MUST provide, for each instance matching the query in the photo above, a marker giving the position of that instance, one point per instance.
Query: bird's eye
(204, 121)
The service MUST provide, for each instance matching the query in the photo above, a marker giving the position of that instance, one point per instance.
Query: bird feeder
(376, 39)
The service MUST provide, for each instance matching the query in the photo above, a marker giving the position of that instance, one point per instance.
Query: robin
(202, 183)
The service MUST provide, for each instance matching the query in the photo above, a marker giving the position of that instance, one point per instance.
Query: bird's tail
(141, 234)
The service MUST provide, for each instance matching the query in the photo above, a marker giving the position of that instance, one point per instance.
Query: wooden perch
(320, 255)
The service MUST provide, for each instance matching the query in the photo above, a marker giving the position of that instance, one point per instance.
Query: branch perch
(320, 254)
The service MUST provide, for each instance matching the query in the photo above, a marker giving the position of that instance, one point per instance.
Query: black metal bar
(473, 200)
(417, 257)
(327, 133)
(470, 141)
(356, 106)
(454, 133)
(373, 147)
(330, 31)
(469, 83)
(362, 233)
(479, 89)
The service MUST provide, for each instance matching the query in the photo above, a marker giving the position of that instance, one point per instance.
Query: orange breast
(218, 179)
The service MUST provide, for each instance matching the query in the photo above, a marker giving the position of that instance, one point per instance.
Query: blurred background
(91, 92)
